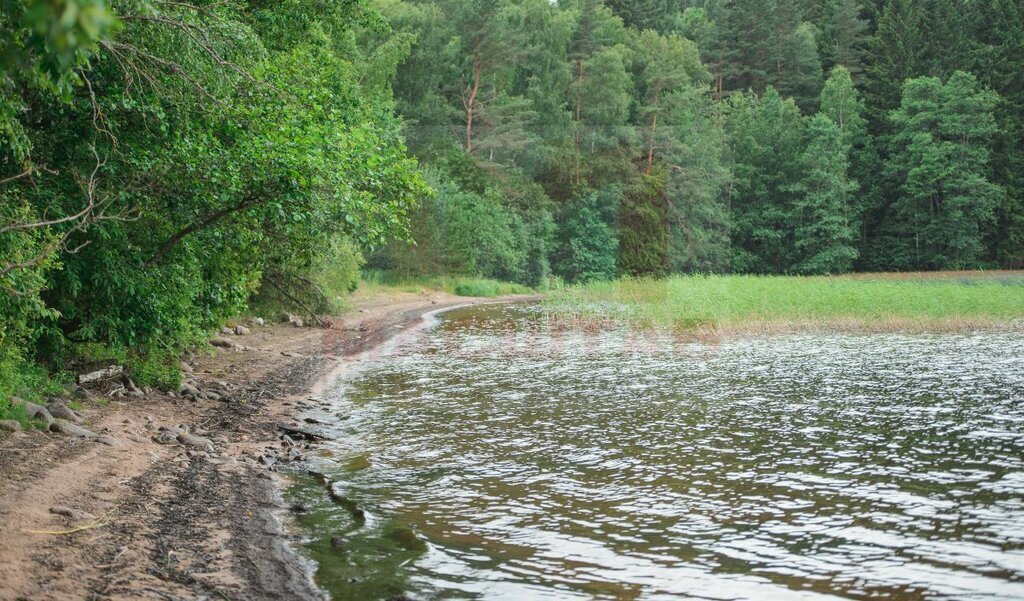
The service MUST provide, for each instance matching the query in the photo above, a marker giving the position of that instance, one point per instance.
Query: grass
(715, 305)
(381, 282)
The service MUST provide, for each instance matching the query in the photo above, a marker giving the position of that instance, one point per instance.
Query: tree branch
(210, 220)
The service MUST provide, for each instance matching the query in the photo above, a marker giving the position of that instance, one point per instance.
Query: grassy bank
(376, 282)
(713, 305)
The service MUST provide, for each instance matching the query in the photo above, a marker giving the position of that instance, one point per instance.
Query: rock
(260, 321)
(9, 425)
(213, 396)
(32, 410)
(165, 438)
(190, 390)
(222, 343)
(65, 427)
(137, 394)
(296, 321)
(102, 374)
(107, 440)
(75, 514)
(241, 330)
(198, 442)
(287, 441)
(226, 330)
(60, 410)
(186, 368)
(83, 393)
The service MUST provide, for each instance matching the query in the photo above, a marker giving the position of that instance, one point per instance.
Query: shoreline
(165, 521)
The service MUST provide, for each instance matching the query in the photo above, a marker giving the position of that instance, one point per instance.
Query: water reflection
(499, 457)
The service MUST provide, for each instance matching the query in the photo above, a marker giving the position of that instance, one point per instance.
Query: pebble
(10, 425)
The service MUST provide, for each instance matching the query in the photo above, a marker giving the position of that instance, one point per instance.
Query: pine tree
(895, 54)
(841, 102)
(825, 231)
(765, 143)
(999, 62)
(670, 64)
(940, 154)
(801, 77)
(845, 36)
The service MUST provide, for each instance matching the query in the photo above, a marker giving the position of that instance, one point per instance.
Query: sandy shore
(163, 521)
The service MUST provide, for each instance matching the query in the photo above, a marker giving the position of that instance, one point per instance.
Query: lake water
(497, 456)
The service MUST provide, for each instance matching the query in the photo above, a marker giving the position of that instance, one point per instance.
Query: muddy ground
(166, 521)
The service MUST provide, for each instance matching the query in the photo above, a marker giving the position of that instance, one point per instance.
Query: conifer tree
(940, 154)
(825, 231)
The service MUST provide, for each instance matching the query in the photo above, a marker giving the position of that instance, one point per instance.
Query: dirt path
(163, 521)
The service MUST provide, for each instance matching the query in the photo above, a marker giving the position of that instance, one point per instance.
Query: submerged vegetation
(723, 304)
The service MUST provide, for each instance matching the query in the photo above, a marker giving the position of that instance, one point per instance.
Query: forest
(166, 165)
(591, 139)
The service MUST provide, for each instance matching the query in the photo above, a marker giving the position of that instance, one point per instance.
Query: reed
(717, 305)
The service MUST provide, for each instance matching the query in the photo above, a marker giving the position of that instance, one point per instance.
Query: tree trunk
(579, 110)
(470, 103)
(654, 130)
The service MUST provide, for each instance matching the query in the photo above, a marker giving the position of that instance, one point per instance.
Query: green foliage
(193, 155)
(587, 246)
(826, 231)
(940, 156)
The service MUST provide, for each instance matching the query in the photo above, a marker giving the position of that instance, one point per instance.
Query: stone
(260, 321)
(65, 427)
(165, 438)
(107, 440)
(101, 374)
(222, 343)
(185, 368)
(296, 321)
(59, 410)
(226, 330)
(10, 425)
(32, 411)
(198, 442)
(83, 393)
(190, 390)
(70, 512)
(241, 330)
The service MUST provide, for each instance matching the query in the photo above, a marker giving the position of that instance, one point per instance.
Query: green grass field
(866, 302)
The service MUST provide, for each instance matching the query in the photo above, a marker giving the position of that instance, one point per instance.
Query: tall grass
(378, 282)
(757, 303)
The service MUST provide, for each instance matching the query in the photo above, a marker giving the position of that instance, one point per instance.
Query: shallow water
(496, 456)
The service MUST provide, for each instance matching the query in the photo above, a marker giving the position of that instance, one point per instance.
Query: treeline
(165, 163)
(587, 139)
